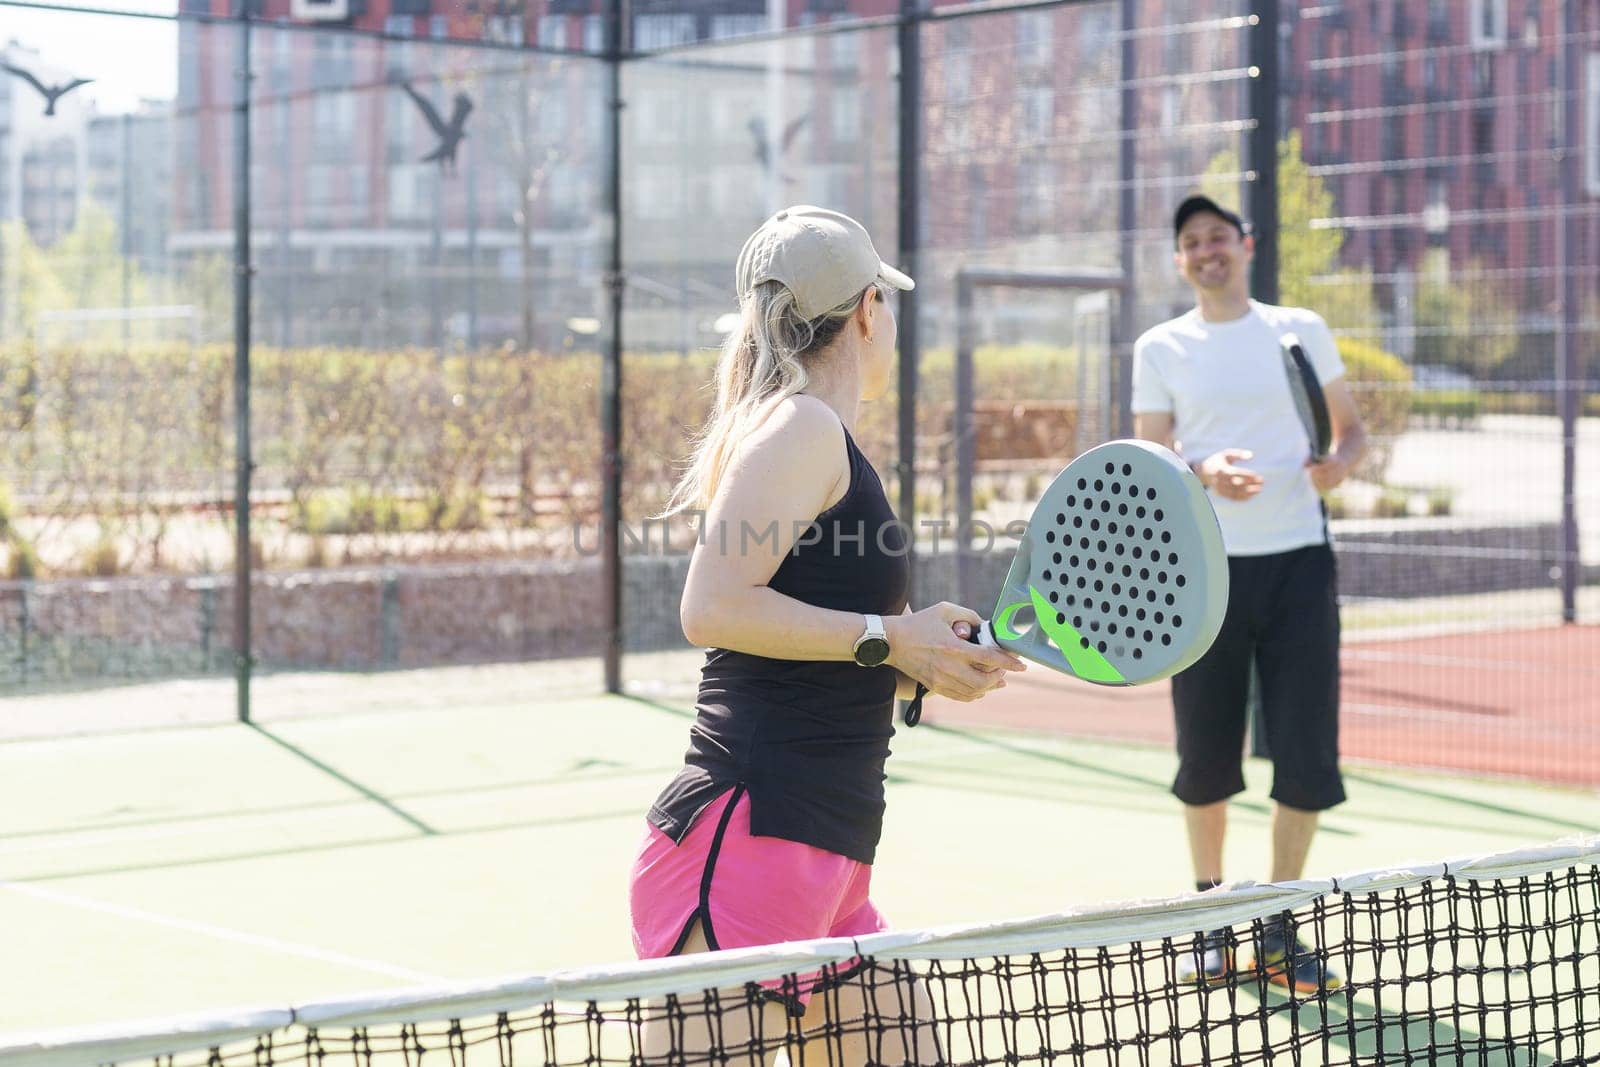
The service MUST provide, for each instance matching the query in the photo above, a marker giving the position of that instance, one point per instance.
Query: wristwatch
(872, 647)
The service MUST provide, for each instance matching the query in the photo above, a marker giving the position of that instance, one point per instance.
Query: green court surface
(464, 824)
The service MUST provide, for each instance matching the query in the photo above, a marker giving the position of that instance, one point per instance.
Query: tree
(1309, 272)
(84, 269)
(1464, 319)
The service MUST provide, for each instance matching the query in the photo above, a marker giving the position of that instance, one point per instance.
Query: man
(1211, 385)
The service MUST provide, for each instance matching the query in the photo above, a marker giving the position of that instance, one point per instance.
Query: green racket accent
(1002, 622)
(1087, 663)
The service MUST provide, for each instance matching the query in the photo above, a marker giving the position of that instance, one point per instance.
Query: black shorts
(1283, 616)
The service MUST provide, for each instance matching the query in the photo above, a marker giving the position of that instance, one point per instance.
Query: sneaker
(1211, 959)
(1286, 962)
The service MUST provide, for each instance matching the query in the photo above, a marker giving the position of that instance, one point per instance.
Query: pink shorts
(746, 891)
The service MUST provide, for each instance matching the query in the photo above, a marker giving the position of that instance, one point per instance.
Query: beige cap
(822, 257)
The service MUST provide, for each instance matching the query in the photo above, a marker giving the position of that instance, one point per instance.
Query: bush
(1380, 384)
(1452, 406)
(366, 442)
(103, 559)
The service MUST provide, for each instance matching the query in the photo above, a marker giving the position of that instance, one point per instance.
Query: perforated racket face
(1121, 577)
(1309, 403)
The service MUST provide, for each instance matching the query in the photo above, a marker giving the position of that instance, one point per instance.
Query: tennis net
(1491, 960)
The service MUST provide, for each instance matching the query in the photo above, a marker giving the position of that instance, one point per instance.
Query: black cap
(1196, 205)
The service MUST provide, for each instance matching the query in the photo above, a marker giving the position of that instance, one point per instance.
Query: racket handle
(981, 636)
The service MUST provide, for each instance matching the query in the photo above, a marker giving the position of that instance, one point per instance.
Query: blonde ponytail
(763, 363)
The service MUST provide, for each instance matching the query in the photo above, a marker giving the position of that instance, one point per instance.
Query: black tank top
(807, 739)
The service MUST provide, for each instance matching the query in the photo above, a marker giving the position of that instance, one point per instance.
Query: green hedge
(1446, 405)
(362, 443)
(1380, 385)
(1465, 405)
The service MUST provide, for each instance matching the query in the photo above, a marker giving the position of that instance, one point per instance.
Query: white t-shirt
(1225, 386)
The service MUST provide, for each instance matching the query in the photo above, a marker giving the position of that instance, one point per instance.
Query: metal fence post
(1567, 374)
(24, 626)
(242, 564)
(910, 228)
(611, 371)
(1263, 214)
(1127, 322)
(389, 620)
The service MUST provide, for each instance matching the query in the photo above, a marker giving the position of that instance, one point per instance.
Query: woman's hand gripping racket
(1121, 577)
(1309, 403)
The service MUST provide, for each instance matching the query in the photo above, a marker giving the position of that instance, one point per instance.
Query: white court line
(222, 933)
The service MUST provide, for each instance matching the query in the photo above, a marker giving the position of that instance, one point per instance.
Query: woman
(798, 586)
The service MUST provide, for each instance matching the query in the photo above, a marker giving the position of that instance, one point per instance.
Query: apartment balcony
(1330, 88)
(1396, 91)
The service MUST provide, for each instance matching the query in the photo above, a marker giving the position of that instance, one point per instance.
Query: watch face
(871, 651)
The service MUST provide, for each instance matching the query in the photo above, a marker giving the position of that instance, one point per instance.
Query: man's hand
(1221, 473)
(1329, 473)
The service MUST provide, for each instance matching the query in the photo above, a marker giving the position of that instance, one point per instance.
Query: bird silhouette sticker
(51, 93)
(764, 148)
(449, 133)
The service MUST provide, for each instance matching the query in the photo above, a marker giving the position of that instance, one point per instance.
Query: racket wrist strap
(913, 712)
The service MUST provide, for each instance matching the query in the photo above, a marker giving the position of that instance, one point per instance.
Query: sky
(129, 58)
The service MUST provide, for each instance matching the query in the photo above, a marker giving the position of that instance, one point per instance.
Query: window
(657, 118)
(1038, 113)
(724, 26)
(1100, 103)
(957, 130)
(330, 61)
(438, 27)
(1488, 23)
(552, 31)
(563, 194)
(320, 178)
(1096, 34)
(957, 75)
(408, 191)
(503, 29)
(722, 109)
(399, 25)
(652, 32)
(359, 200)
(1439, 19)
(736, 187)
(552, 116)
(594, 33)
(333, 123)
(1436, 212)
(399, 127)
(1591, 124)
(657, 192)
(1169, 107)
(1032, 208)
(845, 118)
(1393, 138)
(844, 51)
(1482, 132)
(1033, 38)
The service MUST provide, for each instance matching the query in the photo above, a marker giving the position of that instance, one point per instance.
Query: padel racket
(1120, 578)
(1309, 403)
